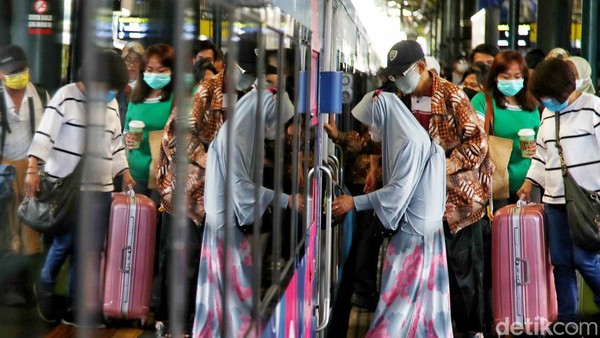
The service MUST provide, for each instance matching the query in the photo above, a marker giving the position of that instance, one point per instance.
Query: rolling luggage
(522, 282)
(129, 257)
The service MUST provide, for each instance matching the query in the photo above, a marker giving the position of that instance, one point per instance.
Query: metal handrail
(325, 288)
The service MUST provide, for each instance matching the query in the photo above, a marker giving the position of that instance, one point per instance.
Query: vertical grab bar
(326, 288)
(309, 198)
(334, 163)
(341, 163)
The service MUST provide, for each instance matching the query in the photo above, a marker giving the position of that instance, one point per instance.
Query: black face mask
(470, 92)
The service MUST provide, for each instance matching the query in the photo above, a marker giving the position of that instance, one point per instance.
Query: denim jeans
(566, 257)
(61, 248)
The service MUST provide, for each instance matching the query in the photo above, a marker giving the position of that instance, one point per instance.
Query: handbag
(583, 206)
(155, 141)
(50, 210)
(500, 149)
(7, 177)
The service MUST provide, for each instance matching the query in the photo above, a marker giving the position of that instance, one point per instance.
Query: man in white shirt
(21, 107)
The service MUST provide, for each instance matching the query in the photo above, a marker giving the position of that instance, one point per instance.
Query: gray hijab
(414, 177)
(243, 159)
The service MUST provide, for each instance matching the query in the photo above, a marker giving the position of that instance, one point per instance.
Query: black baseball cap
(248, 52)
(12, 58)
(401, 56)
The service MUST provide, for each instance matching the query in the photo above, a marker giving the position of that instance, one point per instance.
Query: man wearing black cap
(447, 114)
(21, 107)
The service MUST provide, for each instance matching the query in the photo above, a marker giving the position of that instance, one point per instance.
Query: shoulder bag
(500, 149)
(50, 211)
(583, 206)
(7, 177)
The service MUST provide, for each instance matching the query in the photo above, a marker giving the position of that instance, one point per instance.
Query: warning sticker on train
(41, 6)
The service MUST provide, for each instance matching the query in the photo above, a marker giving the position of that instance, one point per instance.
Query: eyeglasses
(403, 74)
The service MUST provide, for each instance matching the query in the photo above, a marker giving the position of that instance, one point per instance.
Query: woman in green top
(151, 102)
(514, 109)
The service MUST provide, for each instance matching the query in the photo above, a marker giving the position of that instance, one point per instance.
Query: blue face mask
(554, 105)
(110, 95)
(510, 87)
(157, 80)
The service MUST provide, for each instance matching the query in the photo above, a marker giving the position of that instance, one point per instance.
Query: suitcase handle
(525, 270)
(124, 266)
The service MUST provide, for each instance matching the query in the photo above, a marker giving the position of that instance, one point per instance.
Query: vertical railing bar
(278, 166)
(259, 136)
(295, 142)
(307, 122)
(178, 286)
(233, 49)
(84, 292)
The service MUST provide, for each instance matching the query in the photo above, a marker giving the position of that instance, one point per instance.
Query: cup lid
(136, 124)
(526, 132)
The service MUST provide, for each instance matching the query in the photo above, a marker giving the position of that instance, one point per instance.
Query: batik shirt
(205, 120)
(454, 125)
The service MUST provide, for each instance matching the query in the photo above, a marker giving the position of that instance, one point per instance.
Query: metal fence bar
(259, 135)
(178, 261)
(87, 267)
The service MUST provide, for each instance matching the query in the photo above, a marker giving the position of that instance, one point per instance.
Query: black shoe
(45, 304)
(69, 319)
(365, 302)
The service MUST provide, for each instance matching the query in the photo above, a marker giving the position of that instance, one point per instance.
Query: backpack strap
(43, 95)
(489, 115)
(3, 122)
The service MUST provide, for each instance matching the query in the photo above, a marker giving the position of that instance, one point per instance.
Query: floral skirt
(415, 296)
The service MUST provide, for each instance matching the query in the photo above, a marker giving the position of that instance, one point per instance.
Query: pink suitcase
(130, 257)
(522, 282)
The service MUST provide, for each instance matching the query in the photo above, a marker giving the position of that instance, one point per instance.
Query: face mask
(579, 83)
(462, 67)
(270, 133)
(110, 95)
(17, 81)
(408, 83)
(510, 87)
(375, 134)
(554, 105)
(157, 80)
(470, 92)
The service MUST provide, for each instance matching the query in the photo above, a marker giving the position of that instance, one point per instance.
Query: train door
(286, 277)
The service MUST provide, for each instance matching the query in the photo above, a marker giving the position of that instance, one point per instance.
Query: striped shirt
(60, 139)
(580, 140)
(18, 140)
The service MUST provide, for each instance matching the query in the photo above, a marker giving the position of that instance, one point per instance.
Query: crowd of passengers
(420, 174)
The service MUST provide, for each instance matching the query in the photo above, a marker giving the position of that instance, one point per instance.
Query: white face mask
(409, 82)
(270, 133)
(375, 134)
(579, 83)
(462, 67)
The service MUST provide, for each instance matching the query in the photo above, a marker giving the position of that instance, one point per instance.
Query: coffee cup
(526, 141)
(136, 129)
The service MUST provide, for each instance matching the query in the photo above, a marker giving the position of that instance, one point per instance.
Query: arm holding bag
(50, 211)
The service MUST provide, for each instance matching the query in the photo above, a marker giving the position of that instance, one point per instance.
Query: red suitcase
(130, 257)
(524, 296)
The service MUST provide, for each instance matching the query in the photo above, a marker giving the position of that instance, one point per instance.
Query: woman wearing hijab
(210, 315)
(583, 73)
(414, 298)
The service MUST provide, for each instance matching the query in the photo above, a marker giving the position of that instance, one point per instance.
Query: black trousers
(161, 282)
(465, 256)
